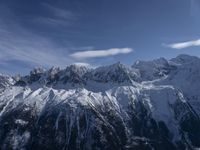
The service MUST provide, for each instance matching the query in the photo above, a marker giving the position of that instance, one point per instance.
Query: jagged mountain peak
(80, 74)
(151, 70)
(77, 69)
(158, 61)
(184, 59)
(6, 81)
(38, 70)
(117, 72)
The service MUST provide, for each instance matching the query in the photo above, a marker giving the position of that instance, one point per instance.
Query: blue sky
(96, 32)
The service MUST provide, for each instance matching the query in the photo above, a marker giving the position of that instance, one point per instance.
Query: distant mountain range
(152, 105)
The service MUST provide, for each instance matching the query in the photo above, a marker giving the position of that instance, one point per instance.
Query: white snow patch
(21, 122)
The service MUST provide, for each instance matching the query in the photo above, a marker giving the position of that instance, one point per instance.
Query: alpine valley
(152, 105)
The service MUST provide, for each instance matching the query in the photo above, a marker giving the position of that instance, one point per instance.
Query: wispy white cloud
(56, 16)
(22, 45)
(59, 12)
(185, 44)
(101, 53)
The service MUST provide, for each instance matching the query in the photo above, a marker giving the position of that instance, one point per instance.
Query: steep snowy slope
(186, 78)
(113, 107)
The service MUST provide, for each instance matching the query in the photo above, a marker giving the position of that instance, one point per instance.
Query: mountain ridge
(150, 105)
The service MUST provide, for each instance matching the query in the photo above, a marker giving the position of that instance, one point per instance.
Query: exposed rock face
(152, 105)
(5, 81)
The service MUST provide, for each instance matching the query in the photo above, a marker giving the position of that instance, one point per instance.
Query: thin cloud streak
(56, 16)
(22, 45)
(60, 13)
(30, 48)
(101, 53)
(186, 44)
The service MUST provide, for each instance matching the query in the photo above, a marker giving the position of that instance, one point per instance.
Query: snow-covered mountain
(150, 105)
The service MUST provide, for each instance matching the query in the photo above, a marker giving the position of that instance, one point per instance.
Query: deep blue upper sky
(50, 33)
